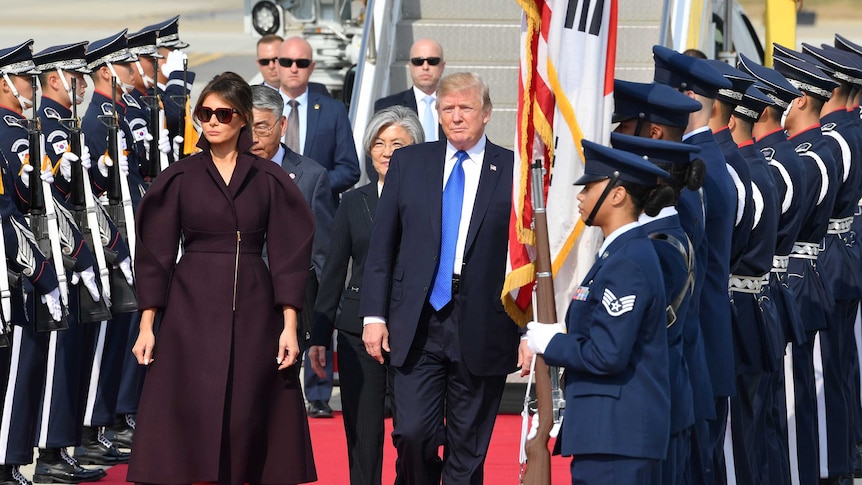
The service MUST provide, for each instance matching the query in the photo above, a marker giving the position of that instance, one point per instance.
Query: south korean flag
(617, 306)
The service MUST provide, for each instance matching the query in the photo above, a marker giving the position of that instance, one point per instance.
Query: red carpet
(330, 455)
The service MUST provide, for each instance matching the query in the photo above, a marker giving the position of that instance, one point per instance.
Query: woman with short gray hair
(363, 380)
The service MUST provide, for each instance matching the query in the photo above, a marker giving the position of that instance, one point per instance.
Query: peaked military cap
(143, 43)
(806, 77)
(845, 68)
(740, 82)
(680, 71)
(656, 151)
(753, 103)
(788, 53)
(18, 60)
(603, 162)
(846, 44)
(68, 57)
(652, 102)
(782, 91)
(110, 49)
(168, 33)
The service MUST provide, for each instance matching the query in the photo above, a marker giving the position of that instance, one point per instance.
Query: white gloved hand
(66, 165)
(88, 277)
(534, 427)
(178, 145)
(126, 267)
(105, 162)
(164, 141)
(86, 162)
(25, 174)
(173, 62)
(47, 175)
(539, 335)
(52, 301)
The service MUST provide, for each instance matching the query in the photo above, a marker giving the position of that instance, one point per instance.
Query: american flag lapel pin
(493, 168)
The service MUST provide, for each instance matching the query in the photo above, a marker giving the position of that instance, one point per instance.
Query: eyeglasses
(380, 145)
(266, 62)
(300, 63)
(418, 61)
(223, 115)
(263, 130)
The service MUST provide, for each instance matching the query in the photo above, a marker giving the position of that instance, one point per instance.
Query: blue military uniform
(676, 256)
(812, 293)
(688, 73)
(615, 352)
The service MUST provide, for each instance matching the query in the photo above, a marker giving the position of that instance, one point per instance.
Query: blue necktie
(453, 199)
(428, 122)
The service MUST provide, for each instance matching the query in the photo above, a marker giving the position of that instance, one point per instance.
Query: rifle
(181, 101)
(84, 212)
(43, 222)
(158, 161)
(549, 400)
(5, 295)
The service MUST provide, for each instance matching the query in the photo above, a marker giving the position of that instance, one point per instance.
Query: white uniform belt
(839, 226)
(805, 250)
(748, 284)
(779, 263)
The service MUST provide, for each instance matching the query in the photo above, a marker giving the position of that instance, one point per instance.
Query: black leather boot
(95, 449)
(123, 431)
(11, 475)
(56, 466)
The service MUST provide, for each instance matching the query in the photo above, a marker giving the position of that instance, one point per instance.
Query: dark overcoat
(214, 406)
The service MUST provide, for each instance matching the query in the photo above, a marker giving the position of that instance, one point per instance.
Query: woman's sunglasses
(223, 115)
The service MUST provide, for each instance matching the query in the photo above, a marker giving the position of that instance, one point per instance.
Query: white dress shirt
(303, 117)
(472, 169)
(421, 106)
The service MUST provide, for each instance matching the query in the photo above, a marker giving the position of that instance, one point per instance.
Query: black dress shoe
(95, 449)
(319, 409)
(121, 437)
(64, 470)
(11, 475)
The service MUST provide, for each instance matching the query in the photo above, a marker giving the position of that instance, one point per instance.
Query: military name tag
(582, 293)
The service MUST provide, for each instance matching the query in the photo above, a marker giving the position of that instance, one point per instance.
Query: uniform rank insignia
(803, 147)
(107, 109)
(12, 121)
(130, 100)
(582, 293)
(768, 153)
(617, 306)
(828, 127)
(52, 113)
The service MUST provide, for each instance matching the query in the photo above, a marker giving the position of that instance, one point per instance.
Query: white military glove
(178, 145)
(25, 174)
(539, 335)
(164, 141)
(174, 62)
(86, 162)
(105, 162)
(66, 165)
(88, 277)
(534, 427)
(52, 301)
(126, 267)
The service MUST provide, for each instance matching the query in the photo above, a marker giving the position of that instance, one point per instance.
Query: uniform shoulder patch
(58, 139)
(13, 121)
(803, 147)
(52, 113)
(768, 153)
(131, 101)
(617, 306)
(107, 109)
(828, 127)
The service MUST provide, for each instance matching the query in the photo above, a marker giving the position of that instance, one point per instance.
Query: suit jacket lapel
(410, 100)
(487, 185)
(434, 173)
(371, 198)
(312, 117)
(292, 164)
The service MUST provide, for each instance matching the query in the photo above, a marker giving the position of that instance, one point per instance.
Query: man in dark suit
(432, 289)
(313, 182)
(317, 125)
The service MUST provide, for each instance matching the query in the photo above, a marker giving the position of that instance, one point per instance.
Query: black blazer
(399, 273)
(404, 98)
(349, 241)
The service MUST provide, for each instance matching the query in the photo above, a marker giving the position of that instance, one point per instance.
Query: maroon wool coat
(214, 406)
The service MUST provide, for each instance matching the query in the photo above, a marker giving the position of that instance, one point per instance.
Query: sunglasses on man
(300, 63)
(223, 115)
(266, 62)
(418, 61)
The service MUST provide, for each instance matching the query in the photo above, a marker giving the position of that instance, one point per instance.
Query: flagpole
(538, 471)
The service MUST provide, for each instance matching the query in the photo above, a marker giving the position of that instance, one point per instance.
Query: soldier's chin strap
(73, 97)
(611, 183)
(126, 88)
(148, 81)
(24, 102)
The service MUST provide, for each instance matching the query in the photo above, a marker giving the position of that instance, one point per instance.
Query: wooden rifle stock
(538, 470)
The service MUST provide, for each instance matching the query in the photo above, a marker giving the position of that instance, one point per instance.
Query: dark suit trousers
(612, 470)
(433, 384)
(363, 392)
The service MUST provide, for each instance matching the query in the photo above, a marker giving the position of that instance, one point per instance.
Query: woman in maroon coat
(222, 400)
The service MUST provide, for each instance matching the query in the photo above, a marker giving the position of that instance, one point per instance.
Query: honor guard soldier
(175, 80)
(142, 108)
(813, 295)
(661, 112)
(789, 177)
(699, 80)
(59, 423)
(839, 263)
(59, 66)
(844, 44)
(756, 440)
(676, 256)
(615, 350)
(725, 102)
